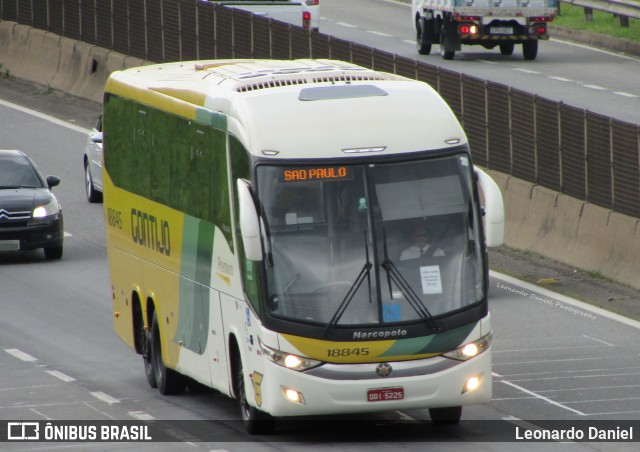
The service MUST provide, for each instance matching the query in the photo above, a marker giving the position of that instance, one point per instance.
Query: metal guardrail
(621, 8)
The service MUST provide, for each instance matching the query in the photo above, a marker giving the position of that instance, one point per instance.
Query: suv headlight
(47, 210)
(470, 350)
(288, 360)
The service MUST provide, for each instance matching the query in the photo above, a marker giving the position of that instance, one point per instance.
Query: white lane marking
(526, 71)
(561, 79)
(67, 234)
(379, 33)
(410, 42)
(105, 397)
(344, 24)
(607, 369)
(574, 377)
(33, 410)
(622, 93)
(596, 87)
(20, 355)
(51, 119)
(546, 361)
(546, 399)
(598, 340)
(568, 347)
(564, 299)
(141, 416)
(59, 375)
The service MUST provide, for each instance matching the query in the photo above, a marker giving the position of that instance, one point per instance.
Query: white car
(314, 10)
(282, 10)
(93, 163)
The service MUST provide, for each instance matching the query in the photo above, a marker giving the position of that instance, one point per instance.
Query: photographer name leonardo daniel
(576, 433)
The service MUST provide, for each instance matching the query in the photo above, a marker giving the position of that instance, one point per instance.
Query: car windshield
(371, 244)
(17, 172)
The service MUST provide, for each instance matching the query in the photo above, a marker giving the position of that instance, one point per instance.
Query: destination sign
(322, 173)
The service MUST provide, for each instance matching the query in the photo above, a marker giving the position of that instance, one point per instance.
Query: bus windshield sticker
(430, 277)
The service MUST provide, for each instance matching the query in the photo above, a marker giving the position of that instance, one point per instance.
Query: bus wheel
(256, 422)
(448, 415)
(146, 341)
(169, 381)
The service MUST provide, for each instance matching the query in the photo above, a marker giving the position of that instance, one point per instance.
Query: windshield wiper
(393, 274)
(364, 273)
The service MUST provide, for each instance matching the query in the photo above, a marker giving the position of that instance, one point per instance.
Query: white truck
(303, 13)
(489, 23)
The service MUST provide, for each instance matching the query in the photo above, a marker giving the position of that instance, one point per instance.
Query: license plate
(9, 245)
(501, 30)
(384, 394)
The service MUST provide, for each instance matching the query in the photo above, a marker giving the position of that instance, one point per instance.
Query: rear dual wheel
(167, 380)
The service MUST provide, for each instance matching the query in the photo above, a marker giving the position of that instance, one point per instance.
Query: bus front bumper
(283, 392)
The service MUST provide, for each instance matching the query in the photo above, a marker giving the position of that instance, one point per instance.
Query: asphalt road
(554, 358)
(597, 80)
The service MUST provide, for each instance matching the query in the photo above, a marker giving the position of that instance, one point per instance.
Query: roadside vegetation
(603, 23)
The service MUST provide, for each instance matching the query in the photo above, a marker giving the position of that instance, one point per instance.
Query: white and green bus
(257, 212)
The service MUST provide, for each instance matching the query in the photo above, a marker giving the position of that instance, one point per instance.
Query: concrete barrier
(570, 231)
(63, 64)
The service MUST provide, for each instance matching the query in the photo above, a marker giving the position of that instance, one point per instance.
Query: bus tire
(168, 380)
(146, 347)
(255, 421)
(448, 415)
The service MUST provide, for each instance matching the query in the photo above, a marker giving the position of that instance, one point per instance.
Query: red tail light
(540, 29)
(306, 19)
(468, 29)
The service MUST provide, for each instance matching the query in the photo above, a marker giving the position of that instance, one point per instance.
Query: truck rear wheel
(530, 50)
(423, 44)
(507, 48)
(446, 54)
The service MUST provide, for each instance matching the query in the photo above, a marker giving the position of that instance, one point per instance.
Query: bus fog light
(471, 384)
(293, 396)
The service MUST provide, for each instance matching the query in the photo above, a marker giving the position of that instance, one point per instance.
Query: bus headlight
(468, 351)
(288, 360)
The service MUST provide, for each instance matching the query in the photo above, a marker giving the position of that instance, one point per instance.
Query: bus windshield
(371, 244)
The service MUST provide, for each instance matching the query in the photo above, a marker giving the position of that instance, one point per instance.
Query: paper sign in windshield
(431, 282)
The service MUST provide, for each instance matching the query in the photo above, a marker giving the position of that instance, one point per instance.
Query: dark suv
(30, 215)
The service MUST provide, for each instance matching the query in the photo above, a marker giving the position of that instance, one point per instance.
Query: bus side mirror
(249, 222)
(494, 209)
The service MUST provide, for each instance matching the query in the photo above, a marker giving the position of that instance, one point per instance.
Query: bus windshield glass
(371, 244)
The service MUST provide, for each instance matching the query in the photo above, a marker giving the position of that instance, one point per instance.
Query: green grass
(603, 23)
